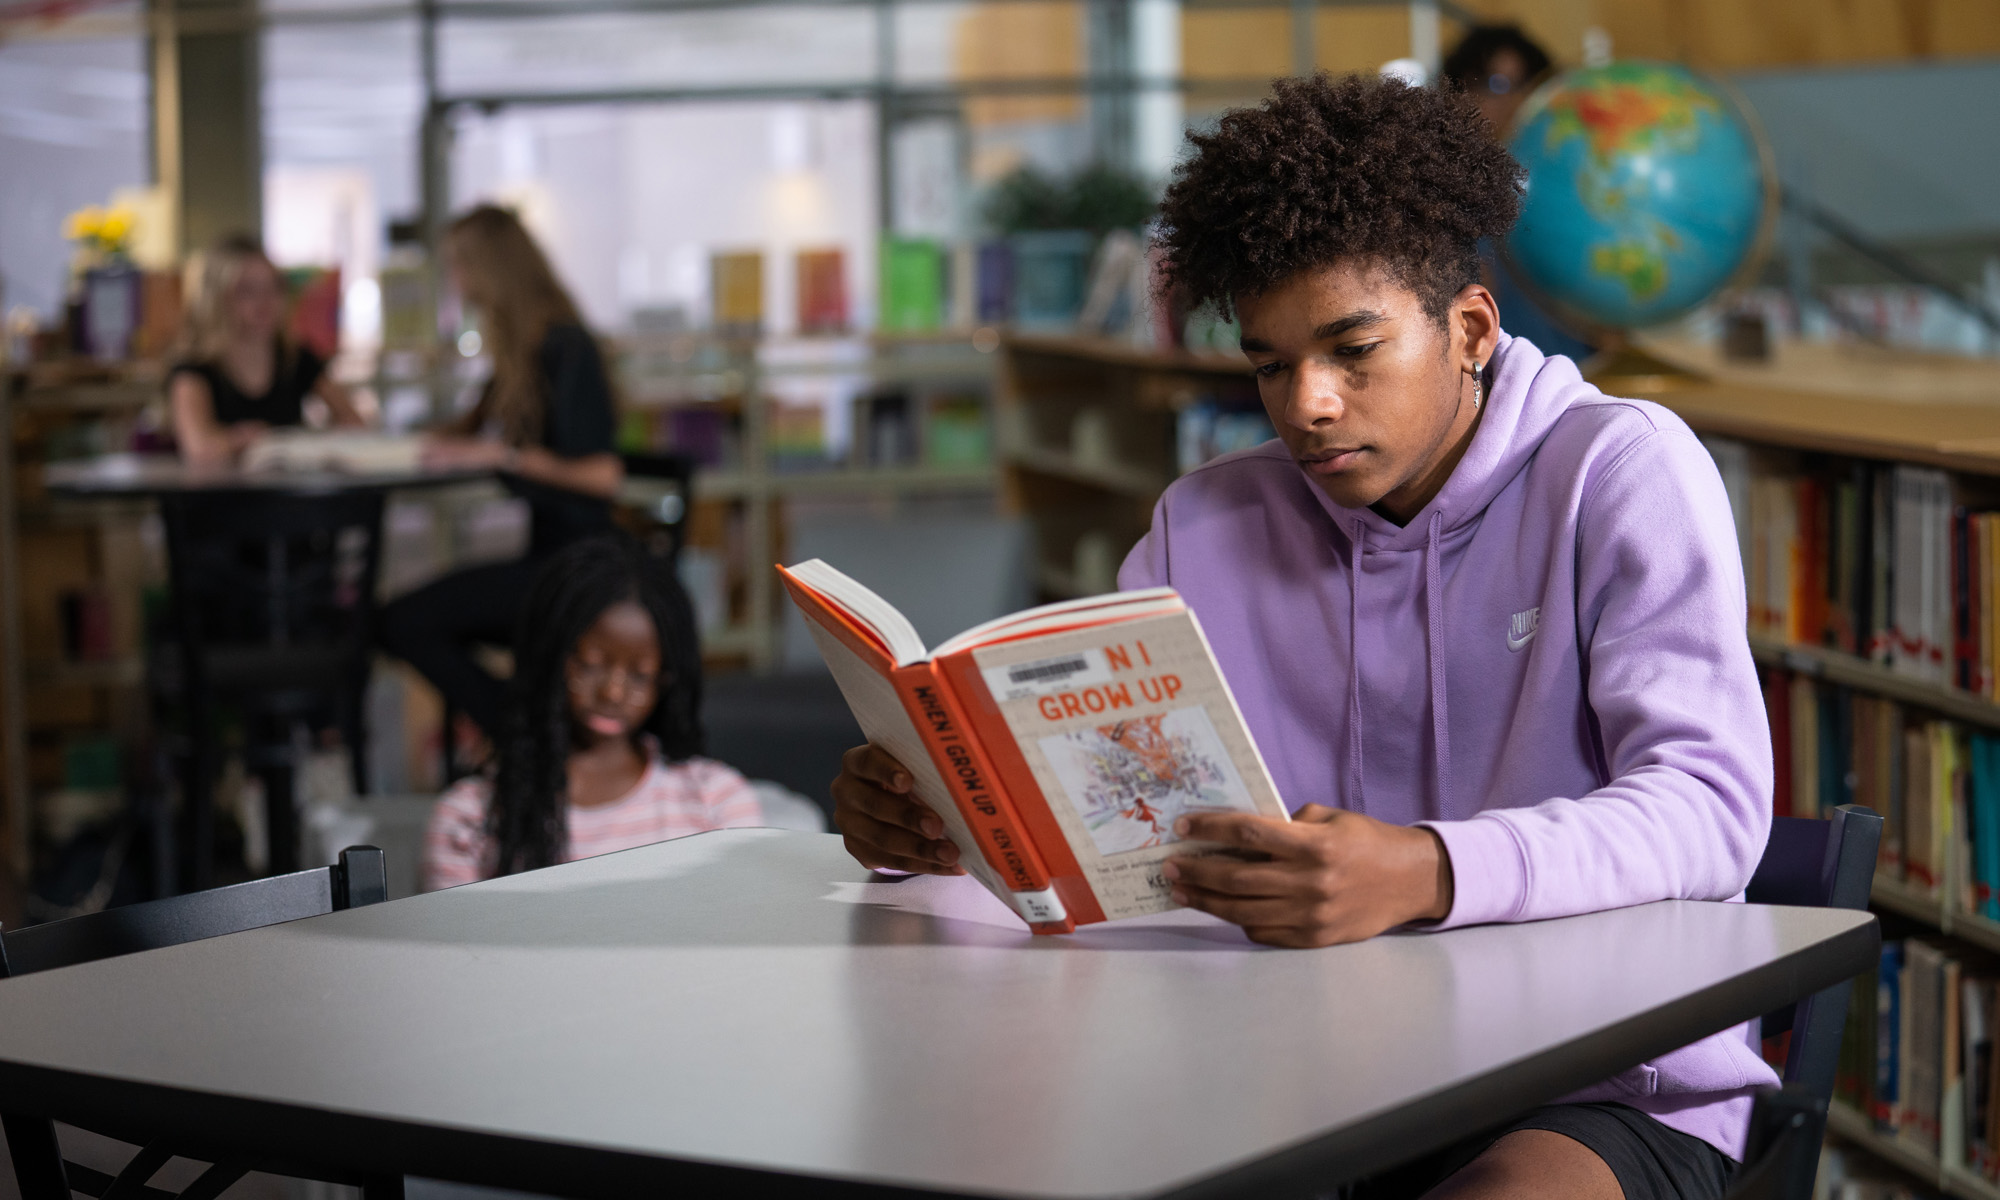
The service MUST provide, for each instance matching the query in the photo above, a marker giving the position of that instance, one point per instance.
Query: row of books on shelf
(890, 427)
(1916, 1057)
(1890, 562)
(1935, 782)
(1213, 427)
(1056, 279)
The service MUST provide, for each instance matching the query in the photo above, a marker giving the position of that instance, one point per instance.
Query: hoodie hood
(1526, 393)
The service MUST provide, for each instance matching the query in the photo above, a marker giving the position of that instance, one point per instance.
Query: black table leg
(383, 1187)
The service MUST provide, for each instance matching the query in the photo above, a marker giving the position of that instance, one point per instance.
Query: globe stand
(1635, 369)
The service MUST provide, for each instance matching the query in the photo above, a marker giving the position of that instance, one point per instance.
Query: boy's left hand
(1327, 876)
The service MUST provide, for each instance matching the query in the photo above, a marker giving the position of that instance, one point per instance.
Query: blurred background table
(271, 607)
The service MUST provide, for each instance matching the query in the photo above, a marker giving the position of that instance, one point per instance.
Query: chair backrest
(360, 877)
(40, 1171)
(1817, 864)
(1781, 1154)
(669, 501)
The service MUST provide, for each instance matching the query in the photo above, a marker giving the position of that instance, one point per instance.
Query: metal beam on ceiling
(26, 25)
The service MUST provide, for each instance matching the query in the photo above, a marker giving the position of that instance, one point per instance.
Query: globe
(1646, 192)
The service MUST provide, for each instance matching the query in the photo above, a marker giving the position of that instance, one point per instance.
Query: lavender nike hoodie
(1547, 666)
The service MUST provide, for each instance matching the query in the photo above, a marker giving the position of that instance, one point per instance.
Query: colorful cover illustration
(1131, 779)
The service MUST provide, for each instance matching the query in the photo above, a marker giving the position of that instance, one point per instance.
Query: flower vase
(110, 315)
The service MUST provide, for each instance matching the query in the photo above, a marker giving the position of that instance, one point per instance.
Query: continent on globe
(1646, 193)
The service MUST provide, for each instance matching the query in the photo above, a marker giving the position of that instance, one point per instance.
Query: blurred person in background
(236, 374)
(1498, 67)
(545, 421)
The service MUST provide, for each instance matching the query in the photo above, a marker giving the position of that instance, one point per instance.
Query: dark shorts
(1651, 1161)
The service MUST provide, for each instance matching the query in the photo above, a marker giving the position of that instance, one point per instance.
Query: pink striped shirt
(670, 800)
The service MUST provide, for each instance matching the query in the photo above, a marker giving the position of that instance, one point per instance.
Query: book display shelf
(1866, 487)
(774, 424)
(72, 578)
(1091, 431)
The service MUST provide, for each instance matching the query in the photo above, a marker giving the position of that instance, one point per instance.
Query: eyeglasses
(596, 675)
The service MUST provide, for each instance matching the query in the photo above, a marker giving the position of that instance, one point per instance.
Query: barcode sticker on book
(1040, 907)
(1039, 677)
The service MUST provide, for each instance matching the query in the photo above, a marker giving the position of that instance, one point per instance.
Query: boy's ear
(1476, 318)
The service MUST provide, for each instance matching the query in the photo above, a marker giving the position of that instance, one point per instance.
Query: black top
(577, 420)
(283, 403)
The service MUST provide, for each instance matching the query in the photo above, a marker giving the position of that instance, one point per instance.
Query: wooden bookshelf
(1852, 1127)
(661, 372)
(1088, 437)
(34, 402)
(1934, 908)
(1880, 406)
(1848, 670)
(1954, 425)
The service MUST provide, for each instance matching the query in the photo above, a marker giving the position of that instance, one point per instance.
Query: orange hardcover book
(1060, 743)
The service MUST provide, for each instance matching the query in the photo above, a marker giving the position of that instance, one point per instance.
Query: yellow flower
(83, 223)
(115, 227)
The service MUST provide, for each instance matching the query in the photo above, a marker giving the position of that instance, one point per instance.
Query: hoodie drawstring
(1434, 602)
(1354, 666)
(1434, 614)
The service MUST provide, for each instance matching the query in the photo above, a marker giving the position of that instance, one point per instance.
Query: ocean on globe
(1646, 192)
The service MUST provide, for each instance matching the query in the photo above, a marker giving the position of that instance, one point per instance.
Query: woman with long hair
(603, 728)
(545, 421)
(235, 373)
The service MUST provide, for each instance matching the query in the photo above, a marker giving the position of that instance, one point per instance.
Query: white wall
(73, 129)
(632, 200)
(1910, 151)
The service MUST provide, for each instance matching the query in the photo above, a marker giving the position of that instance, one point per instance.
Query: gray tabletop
(167, 475)
(752, 1000)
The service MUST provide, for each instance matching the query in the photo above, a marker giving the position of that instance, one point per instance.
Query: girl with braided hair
(600, 746)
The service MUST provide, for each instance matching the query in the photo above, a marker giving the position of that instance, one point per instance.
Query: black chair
(1781, 1157)
(1815, 864)
(39, 1168)
(667, 482)
(272, 610)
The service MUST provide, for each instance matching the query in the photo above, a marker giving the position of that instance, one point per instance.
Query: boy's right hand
(886, 827)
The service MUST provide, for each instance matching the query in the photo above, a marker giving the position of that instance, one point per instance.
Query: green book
(912, 285)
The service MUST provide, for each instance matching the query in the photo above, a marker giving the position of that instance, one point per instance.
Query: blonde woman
(546, 422)
(236, 374)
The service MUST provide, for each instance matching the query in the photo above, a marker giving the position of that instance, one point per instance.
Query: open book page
(1091, 610)
(881, 618)
(1125, 728)
(352, 451)
(883, 719)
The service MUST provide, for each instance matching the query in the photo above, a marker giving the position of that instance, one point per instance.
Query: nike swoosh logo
(1522, 627)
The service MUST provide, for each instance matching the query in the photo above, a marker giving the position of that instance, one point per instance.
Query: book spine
(968, 770)
(1951, 1067)
(1018, 781)
(1961, 602)
(1778, 705)
(1888, 1027)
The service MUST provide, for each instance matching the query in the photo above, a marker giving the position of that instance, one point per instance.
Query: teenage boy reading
(1485, 621)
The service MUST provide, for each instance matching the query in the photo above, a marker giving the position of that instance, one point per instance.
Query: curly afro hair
(1330, 170)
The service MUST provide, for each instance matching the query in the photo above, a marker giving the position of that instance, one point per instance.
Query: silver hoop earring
(1478, 388)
